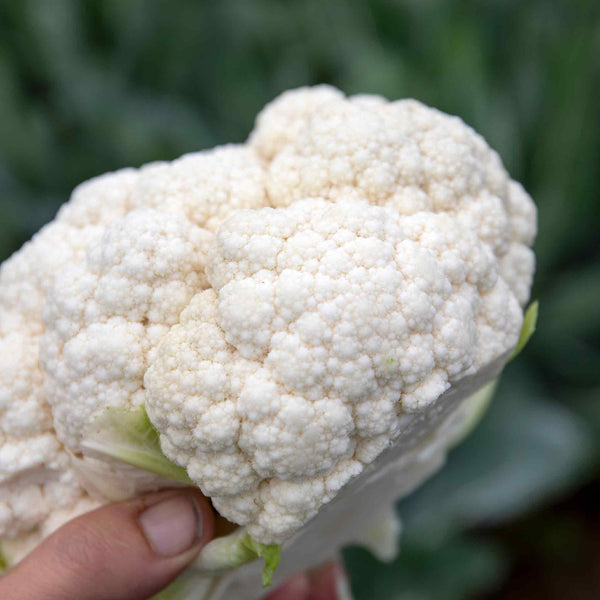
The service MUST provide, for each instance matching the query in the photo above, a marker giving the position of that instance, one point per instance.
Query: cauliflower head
(289, 313)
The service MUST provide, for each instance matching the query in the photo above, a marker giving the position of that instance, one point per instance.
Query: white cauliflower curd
(111, 273)
(296, 325)
(325, 325)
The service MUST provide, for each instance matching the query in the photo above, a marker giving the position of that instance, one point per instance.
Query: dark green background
(91, 86)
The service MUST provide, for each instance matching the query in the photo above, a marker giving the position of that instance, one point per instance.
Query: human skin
(321, 584)
(131, 550)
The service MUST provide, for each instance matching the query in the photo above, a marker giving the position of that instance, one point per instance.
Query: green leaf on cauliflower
(527, 329)
(271, 553)
(234, 550)
(130, 437)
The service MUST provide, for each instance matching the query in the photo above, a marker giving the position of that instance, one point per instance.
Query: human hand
(325, 583)
(132, 550)
(123, 551)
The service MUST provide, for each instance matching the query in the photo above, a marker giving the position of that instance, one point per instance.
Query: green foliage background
(90, 86)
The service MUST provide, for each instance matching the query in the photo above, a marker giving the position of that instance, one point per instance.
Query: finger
(124, 551)
(295, 588)
(329, 582)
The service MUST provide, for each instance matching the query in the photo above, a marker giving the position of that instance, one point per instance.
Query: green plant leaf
(130, 437)
(527, 329)
(234, 550)
(459, 568)
(271, 553)
(528, 448)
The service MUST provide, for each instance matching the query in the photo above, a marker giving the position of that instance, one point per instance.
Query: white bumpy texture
(402, 154)
(111, 273)
(35, 475)
(285, 308)
(325, 326)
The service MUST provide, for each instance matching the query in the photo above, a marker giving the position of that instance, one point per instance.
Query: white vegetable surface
(348, 518)
(403, 154)
(326, 327)
(35, 476)
(113, 297)
(289, 312)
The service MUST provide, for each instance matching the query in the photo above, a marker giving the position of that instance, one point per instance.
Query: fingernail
(172, 526)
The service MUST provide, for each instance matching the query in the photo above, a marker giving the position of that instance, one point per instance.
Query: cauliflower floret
(205, 187)
(16, 548)
(400, 154)
(326, 324)
(105, 316)
(30, 497)
(281, 120)
(35, 478)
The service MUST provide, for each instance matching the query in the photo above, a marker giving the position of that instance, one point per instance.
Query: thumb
(124, 551)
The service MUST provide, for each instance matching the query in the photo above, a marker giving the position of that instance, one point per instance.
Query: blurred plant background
(91, 86)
